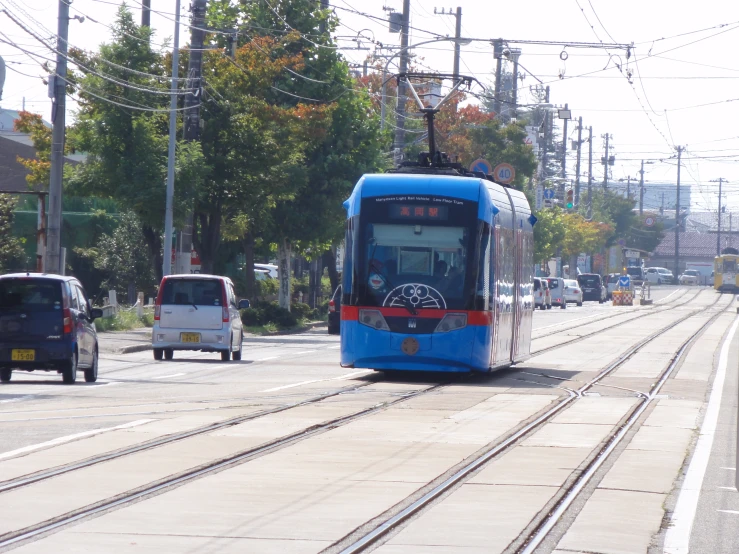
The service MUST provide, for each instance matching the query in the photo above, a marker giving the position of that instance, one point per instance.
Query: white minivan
(197, 312)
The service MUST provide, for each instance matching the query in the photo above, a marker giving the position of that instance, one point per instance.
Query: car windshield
(198, 292)
(41, 295)
(634, 271)
(428, 260)
(589, 280)
(691, 272)
(663, 271)
(571, 283)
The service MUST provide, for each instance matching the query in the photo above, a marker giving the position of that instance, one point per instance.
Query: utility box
(396, 22)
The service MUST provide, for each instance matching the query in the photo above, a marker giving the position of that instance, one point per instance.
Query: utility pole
(677, 215)
(322, 26)
(590, 172)
(457, 36)
(564, 155)
(720, 182)
(628, 188)
(191, 123)
(605, 166)
(547, 134)
(577, 164)
(498, 55)
(54, 233)
(146, 13)
(168, 212)
(641, 189)
(403, 68)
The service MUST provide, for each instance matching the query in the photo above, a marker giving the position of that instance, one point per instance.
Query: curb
(133, 348)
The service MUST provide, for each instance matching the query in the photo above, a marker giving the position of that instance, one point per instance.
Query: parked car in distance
(270, 268)
(547, 294)
(540, 296)
(592, 287)
(690, 277)
(611, 284)
(556, 291)
(47, 324)
(659, 275)
(637, 274)
(334, 313)
(572, 291)
(197, 312)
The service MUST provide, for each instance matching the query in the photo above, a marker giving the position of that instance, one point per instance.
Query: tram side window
(484, 272)
(349, 257)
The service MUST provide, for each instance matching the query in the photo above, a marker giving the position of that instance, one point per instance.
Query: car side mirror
(95, 313)
(244, 304)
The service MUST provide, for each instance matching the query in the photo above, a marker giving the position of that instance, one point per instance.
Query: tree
(127, 147)
(549, 233)
(12, 256)
(582, 235)
(125, 265)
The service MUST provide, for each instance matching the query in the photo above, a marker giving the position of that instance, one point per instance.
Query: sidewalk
(139, 340)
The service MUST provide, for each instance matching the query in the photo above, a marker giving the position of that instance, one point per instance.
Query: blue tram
(438, 273)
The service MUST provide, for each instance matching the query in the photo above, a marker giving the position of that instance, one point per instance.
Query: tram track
(16, 537)
(608, 328)
(360, 540)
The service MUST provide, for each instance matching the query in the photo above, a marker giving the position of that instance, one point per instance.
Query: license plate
(190, 337)
(18, 355)
(588, 290)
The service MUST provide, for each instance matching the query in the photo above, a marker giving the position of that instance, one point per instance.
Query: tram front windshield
(729, 266)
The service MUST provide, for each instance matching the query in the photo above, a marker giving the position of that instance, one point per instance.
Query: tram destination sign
(428, 212)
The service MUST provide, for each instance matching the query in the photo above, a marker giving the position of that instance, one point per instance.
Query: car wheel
(549, 306)
(5, 374)
(158, 353)
(91, 373)
(236, 355)
(659, 281)
(168, 353)
(543, 307)
(69, 370)
(564, 305)
(225, 355)
(579, 303)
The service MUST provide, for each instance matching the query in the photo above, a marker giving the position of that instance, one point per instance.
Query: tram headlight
(374, 319)
(451, 322)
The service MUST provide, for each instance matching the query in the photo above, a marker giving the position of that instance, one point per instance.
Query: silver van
(197, 312)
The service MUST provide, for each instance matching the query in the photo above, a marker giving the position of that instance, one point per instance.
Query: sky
(678, 87)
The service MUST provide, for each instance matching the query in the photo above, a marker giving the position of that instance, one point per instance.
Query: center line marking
(168, 376)
(305, 352)
(339, 378)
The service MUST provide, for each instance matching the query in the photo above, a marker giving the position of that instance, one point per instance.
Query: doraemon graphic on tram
(438, 269)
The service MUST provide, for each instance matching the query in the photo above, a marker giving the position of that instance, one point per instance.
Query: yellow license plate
(18, 355)
(190, 337)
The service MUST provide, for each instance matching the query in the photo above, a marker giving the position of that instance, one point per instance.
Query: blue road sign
(624, 281)
(549, 194)
(483, 166)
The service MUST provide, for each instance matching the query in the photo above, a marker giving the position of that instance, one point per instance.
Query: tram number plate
(19, 355)
(190, 337)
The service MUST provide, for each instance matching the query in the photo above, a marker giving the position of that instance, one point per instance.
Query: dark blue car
(46, 323)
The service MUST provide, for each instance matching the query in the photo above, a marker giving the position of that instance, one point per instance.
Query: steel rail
(382, 529)
(546, 526)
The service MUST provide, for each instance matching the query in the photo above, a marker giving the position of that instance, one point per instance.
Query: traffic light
(570, 203)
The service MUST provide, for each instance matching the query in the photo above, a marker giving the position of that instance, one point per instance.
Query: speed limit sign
(504, 173)
(649, 221)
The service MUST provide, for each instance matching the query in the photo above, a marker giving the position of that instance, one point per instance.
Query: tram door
(496, 293)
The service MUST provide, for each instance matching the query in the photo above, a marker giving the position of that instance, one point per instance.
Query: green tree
(549, 233)
(12, 256)
(127, 147)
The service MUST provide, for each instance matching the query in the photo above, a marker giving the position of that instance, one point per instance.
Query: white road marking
(270, 358)
(332, 347)
(728, 488)
(68, 438)
(20, 398)
(729, 512)
(305, 352)
(729, 468)
(339, 378)
(168, 376)
(677, 539)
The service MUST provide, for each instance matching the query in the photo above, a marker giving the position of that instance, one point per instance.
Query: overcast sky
(677, 88)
